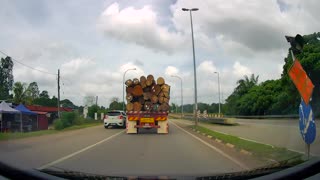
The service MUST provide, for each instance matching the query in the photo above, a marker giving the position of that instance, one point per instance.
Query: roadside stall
(42, 120)
(10, 119)
(29, 118)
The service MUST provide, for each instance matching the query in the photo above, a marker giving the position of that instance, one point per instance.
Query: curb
(227, 144)
(245, 152)
(230, 145)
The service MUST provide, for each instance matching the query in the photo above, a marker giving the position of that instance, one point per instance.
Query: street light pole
(123, 86)
(219, 91)
(194, 66)
(181, 93)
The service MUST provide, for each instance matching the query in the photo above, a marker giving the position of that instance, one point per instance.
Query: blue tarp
(24, 110)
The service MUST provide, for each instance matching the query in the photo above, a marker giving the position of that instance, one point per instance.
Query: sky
(93, 42)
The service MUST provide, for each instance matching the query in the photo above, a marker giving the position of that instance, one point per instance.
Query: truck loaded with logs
(147, 104)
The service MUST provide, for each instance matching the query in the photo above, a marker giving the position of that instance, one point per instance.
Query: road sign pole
(308, 150)
(292, 55)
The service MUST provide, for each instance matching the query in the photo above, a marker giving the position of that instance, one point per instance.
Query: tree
(33, 91)
(114, 99)
(174, 107)
(244, 85)
(116, 105)
(233, 102)
(92, 109)
(6, 77)
(43, 101)
(19, 90)
(67, 103)
(44, 94)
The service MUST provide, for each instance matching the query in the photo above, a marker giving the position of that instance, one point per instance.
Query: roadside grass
(262, 151)
(83, 126)
(173, 116)
(19, 135)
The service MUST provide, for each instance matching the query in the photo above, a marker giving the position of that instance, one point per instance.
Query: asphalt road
(276, 132)
(112, 152)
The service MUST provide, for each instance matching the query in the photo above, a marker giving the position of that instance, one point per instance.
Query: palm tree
(20, 93)
(245, 84)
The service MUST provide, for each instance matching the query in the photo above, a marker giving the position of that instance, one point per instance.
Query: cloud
(246, 23)
(240, 70)
(138, 26)
(207, 67)
(138, 62)
(44, 81)
(76, 66)
(171, 70)
(94, 49)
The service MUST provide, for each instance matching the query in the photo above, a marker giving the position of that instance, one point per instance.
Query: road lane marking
(78, 152)
(214, 148)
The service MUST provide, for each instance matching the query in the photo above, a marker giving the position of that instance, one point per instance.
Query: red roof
(47, 109)
(38, 112)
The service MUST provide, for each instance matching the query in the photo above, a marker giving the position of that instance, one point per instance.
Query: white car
(115, 118)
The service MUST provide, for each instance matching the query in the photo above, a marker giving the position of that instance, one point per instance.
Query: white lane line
(78, 152)
(214, 148)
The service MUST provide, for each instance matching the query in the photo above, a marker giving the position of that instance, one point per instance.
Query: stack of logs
(147, 94)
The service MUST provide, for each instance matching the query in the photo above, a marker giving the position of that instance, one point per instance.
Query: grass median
(259, 150)
(19, 135)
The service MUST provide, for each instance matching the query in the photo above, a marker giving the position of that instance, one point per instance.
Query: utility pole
(59, 93)
(96, 100)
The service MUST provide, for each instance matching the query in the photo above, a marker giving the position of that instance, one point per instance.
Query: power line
(27, 65)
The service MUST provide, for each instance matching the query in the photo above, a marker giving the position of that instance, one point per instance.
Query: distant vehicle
(115, 118)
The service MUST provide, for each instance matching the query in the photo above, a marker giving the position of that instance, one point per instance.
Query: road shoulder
(247, 160)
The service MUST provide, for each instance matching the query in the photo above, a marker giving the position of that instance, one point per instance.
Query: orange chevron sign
(301, 81)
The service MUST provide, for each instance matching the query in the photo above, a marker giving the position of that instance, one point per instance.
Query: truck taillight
(120, 117)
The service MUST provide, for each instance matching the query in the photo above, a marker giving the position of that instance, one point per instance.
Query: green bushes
(58, 124)
(72, 119)
(68, 119)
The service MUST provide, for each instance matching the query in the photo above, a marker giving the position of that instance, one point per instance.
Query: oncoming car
(115, 118)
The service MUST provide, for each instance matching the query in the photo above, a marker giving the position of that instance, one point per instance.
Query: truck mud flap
(164, 127)
(130, 127)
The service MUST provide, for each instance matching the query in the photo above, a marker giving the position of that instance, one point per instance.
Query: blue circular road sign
(306, 123)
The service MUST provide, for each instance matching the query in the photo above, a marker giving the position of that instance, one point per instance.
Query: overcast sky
(93, 42)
